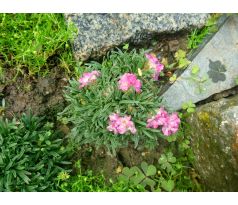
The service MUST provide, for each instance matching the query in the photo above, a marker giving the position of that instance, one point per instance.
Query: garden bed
(43, 93)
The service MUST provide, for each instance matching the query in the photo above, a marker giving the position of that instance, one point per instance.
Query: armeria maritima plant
(117, 102)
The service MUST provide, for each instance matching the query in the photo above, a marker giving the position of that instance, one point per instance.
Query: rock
(214, 140)
(217, 62)
(100, 32)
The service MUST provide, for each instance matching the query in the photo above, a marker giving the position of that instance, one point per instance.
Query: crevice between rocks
(217, 96)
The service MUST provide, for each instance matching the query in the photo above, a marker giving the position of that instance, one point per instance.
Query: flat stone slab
(100, 32)
(218, 63)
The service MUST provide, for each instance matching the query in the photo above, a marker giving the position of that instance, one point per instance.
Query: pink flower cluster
(129, 80)
(169, 123)
(121, 125)
(88, 78)
(155, 64)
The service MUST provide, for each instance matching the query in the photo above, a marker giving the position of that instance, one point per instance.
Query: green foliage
(181, 59)
(27, 41)
(173, 78)
(83, 183)
(171, 173)
(126, 46)
(168, 185)
(198, 35)
(175, 171)
(137, 176)
(196, 79)
(89, 108)
(195, 70)
(88, 182)
(166, 161)
(189, 106)
(31, 155)
(180, 54)
(185, 159)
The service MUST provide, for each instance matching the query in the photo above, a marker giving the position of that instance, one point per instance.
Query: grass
(91, 182)
(28, 41)
(198, 35)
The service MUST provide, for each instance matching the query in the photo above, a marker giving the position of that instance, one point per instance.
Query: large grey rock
(214, 138)
(100, 32)
(217, 61)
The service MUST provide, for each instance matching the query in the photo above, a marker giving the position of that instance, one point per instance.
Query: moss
(205, 118)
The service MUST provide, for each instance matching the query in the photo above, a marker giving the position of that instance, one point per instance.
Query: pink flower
(155, 64)
(169, 123)
(120, 125)
(162, 116)
(88, 78)
(114, 117)
(129, 80)
(152, 123)
(159, 119)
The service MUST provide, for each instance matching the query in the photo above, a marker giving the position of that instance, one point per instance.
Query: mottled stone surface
(100, 32)
(217, 61)
(214, 139)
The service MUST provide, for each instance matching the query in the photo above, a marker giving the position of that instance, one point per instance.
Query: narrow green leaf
(129, 102)
(148, 134)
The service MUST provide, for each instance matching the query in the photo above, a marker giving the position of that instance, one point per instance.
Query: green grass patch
(27, 41)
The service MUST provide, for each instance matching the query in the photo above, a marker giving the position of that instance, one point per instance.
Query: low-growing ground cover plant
(172, 172)
(90, 182)
(31, 155)
(27, 41)
(117, 102)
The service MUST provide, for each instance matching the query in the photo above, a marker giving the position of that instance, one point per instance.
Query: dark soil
(165, 49)
(41, 95)
(99, 161)
(169, 44)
